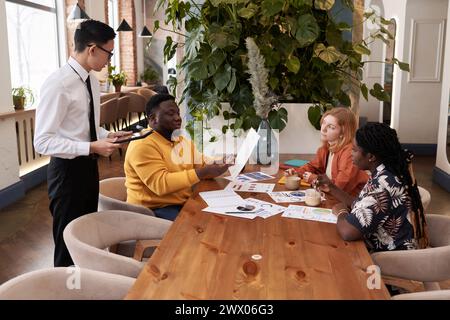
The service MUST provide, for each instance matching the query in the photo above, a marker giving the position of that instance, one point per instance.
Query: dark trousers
(168, 213)
(73, 192)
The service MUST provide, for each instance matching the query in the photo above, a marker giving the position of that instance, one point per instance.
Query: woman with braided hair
(388, 212)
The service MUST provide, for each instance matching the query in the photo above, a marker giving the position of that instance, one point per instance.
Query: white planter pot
(299, 136)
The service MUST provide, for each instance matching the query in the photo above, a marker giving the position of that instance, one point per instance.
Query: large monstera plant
(303, 44)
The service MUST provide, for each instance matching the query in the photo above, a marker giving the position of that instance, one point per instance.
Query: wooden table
(209, 256)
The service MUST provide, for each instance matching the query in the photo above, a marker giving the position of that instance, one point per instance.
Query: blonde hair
(347, 121)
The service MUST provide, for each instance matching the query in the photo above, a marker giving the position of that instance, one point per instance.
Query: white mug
(313, 197)
(292, 182)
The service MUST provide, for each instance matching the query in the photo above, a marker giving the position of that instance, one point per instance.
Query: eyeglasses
(110, 53)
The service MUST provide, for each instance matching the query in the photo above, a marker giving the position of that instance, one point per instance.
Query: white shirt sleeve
(50, 113)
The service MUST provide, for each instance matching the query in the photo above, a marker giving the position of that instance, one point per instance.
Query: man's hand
(211, 171)
(104, 147)
(119, 134)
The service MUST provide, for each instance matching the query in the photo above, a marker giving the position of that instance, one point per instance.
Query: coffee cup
(313, 197)
(292, 182)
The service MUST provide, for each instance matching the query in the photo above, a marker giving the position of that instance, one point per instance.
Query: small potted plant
(22, 96)
(118, 79)
(150, 76)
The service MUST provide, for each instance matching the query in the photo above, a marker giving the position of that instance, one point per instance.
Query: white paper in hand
(244, 153)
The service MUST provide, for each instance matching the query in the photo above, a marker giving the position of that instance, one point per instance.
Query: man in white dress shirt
(67, 129)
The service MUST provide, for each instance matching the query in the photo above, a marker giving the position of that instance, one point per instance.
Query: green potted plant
(117, 79)
(308, 53)
(22, 96)
(150, 76)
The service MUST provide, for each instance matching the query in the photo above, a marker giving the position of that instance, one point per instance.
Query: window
(113, 19)
(33, 40)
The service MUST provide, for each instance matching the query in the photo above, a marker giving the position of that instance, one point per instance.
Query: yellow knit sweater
(159, 172)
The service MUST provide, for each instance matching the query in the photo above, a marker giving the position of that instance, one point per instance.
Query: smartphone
(135, 136)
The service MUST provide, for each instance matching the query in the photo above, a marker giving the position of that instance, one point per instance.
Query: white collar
(78, 68)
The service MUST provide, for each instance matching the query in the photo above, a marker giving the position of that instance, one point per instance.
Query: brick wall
(70, 27)
(128, 54)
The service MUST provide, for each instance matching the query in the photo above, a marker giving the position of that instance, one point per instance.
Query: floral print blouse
(381, 212)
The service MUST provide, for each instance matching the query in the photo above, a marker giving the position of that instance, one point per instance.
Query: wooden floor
(26, 242)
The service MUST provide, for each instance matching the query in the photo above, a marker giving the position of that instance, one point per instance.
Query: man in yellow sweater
(160, 171)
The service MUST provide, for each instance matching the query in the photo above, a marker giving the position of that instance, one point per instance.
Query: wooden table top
(209, 256)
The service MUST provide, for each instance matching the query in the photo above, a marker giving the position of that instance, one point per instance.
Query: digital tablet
(135, 136)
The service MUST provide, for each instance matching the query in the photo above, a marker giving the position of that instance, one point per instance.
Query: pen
(241, 212)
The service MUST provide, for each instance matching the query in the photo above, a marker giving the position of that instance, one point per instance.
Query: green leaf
(238, 123)
(327, 54)
(232, 83)
(361, 49)
(223, 36)
(307, 30)
(323, 4)
(222, 77)
(379, 93)
(224, 129)
(155, 26)
(314, 115)
(213, 139)
(271, 7)
(198, 70)
(215, 60)
(385, 21)
(293, 64)
(273, 83)
(300, 3)
(170, 49)
(343, 26)
(332, 85)
(344, 98)
(278, 118)
(402, 65)
(365, 91)
(193, 42)
(249, 11)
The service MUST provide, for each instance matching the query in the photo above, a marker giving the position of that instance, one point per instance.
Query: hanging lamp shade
(124, 26)
(145, 33)
(77, 13)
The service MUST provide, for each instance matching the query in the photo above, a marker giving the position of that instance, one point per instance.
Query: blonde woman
(334, 157)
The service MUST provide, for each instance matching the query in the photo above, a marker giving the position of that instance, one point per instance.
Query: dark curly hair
(381, 140)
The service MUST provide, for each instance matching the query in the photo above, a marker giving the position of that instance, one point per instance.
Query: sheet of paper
(287, 196)
(310, 213)
(250, 177)
(221, 198)
(261, 209)
(244, 153)
(265, 209)
(250, 187)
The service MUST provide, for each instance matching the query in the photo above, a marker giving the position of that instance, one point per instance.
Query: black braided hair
(382, 141)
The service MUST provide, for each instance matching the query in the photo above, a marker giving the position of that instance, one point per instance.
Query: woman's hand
(290, 172)
(323, 182)
(339, 208)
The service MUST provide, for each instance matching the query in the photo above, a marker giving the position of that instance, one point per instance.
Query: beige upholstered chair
(425, 196)
(88, 236)
(428, 265)
(66, 284)
(146, 93)
(113, 196)
(108, 113)
(122, 112)
(427, 295)
(137, 104)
